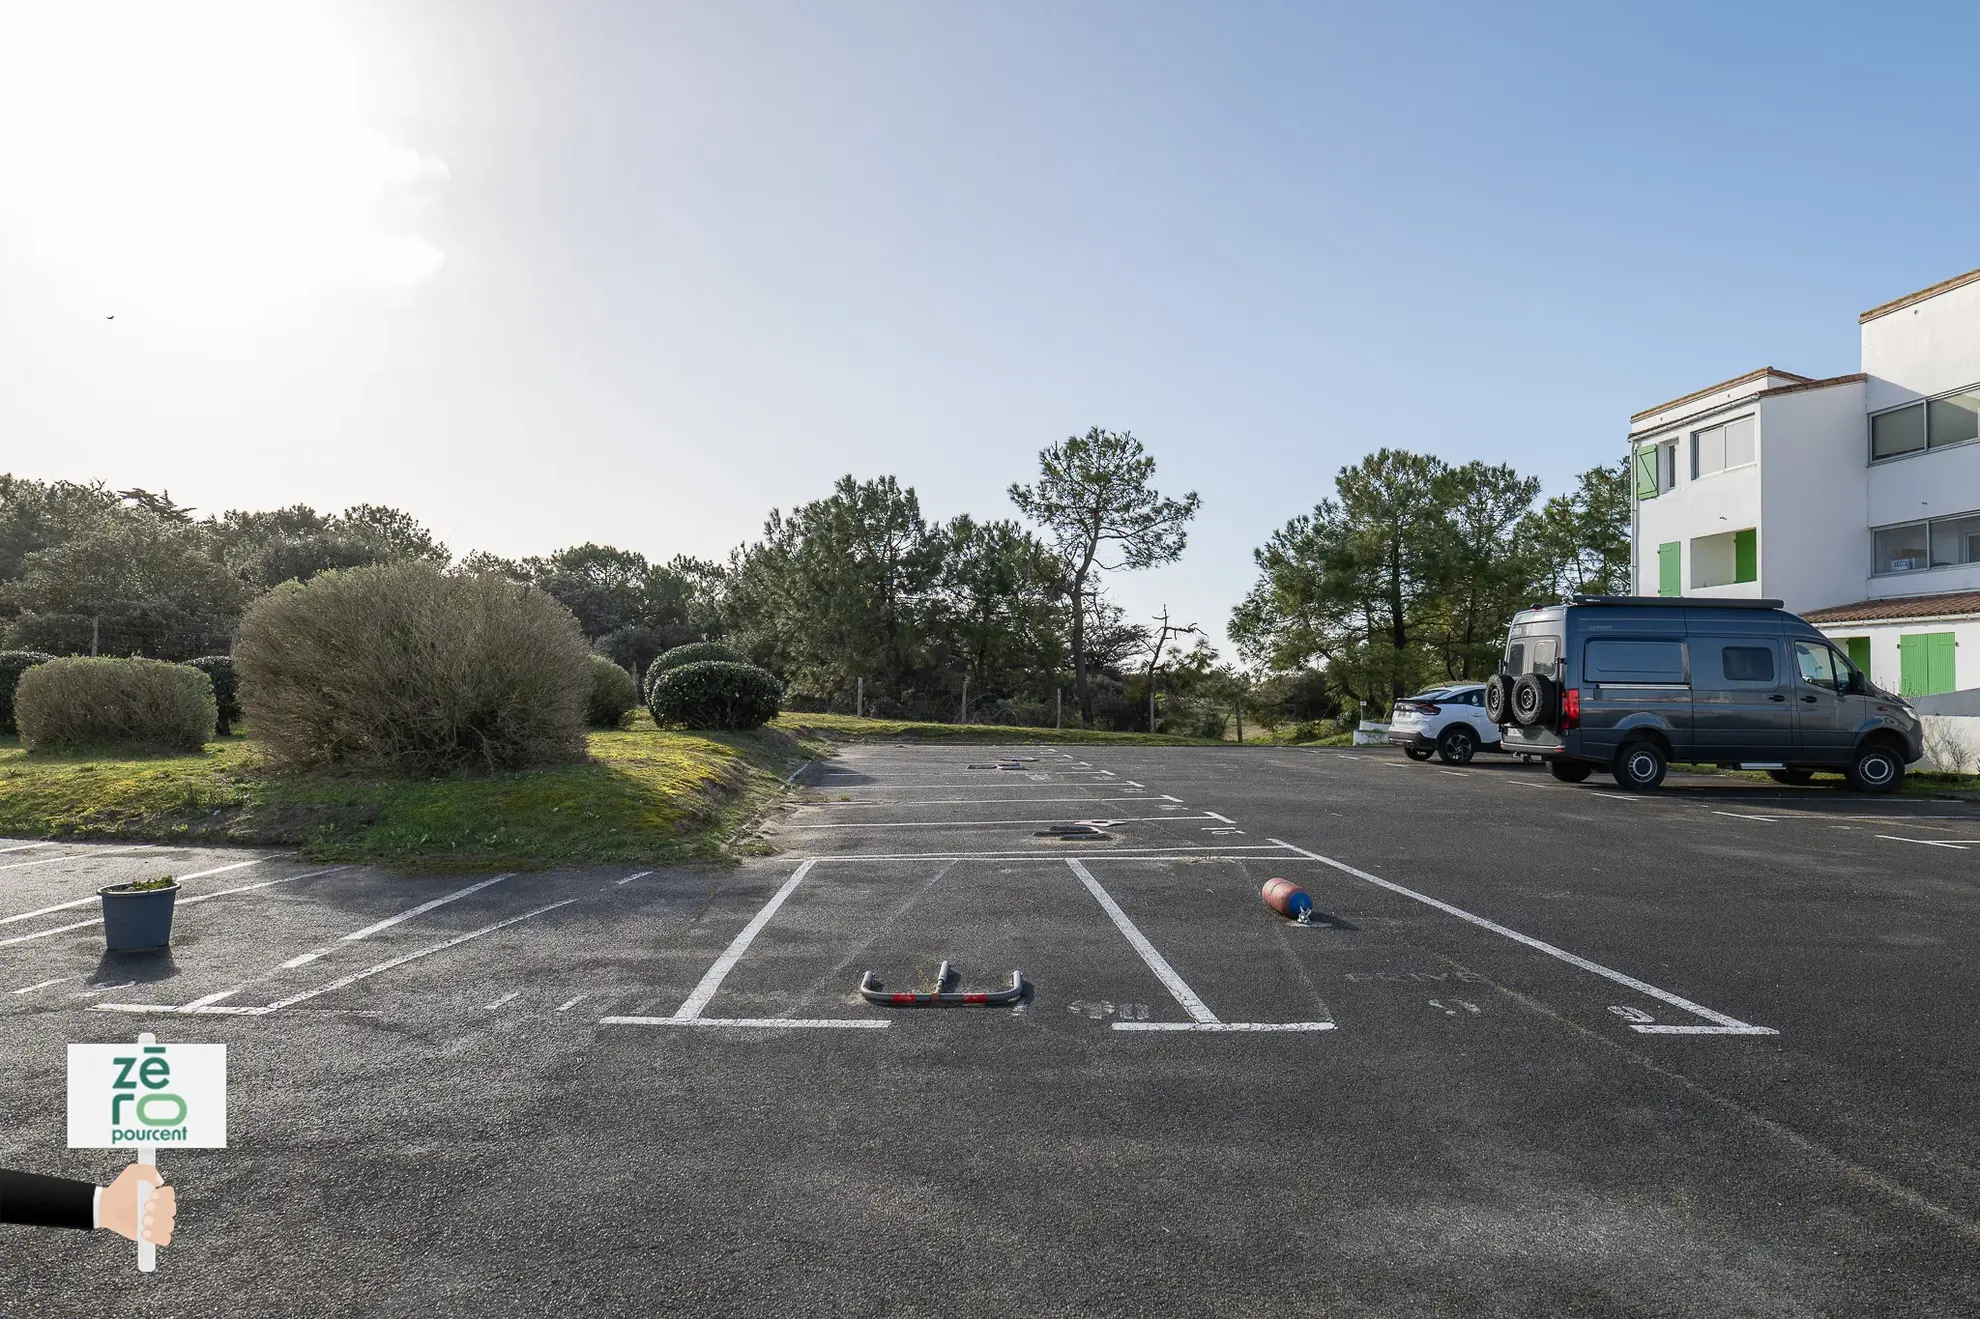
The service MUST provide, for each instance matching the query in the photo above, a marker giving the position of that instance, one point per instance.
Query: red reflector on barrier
(903, 998)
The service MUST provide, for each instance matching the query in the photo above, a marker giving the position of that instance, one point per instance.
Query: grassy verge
(847, 728)
(644, 796)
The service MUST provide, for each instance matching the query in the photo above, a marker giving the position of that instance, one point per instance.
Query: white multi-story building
(1854, 500)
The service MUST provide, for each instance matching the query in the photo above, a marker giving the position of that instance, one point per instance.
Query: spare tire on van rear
(1534, 700)
(1495, 699)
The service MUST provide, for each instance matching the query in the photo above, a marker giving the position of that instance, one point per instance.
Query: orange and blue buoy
(1288, 899)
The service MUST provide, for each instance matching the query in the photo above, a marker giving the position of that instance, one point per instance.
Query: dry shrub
(68, 704)
(406, 669)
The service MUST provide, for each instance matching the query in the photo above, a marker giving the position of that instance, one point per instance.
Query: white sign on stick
(128, 1096)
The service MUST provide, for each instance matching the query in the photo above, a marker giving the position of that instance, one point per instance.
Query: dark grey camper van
(1631, 683)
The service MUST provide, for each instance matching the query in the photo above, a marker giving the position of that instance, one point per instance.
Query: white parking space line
(1207, 815)
(1928, 842)
(1739, 815)
(304, 959)
(508, 997)
(23, 847)
(1455, 773)
(1181, 992)
(76, 856)
(421, 909)
(972, 824)
(985, 801)
(442, 946)
(637, 874)
(1180, 853)
(1722, 1024)
(571, 1003)
(1226, 1026)
(29, 989)
(759, 1023)
(712, 980)
(43, 934)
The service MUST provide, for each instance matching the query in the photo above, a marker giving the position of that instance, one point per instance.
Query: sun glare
(200, 155)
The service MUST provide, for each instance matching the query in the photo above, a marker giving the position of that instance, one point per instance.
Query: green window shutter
(1646, 472)
(1939, 663)
(1746, 555)
(1859, 653)
(1670, 570)
(1911, 664)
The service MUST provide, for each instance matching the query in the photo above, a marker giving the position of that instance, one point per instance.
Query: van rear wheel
(1570, 771)
(1875, 769)
(1640, 765)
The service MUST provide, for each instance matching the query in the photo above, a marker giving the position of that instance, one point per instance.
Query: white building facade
(1854, 500)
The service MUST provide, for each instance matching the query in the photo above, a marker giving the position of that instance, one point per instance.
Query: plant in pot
(138, 915)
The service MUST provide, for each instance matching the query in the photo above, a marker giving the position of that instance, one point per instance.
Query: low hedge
(694, 652)
(226, 689)
(13, 663)
(715, 694)
(68, 704)
(614, 694)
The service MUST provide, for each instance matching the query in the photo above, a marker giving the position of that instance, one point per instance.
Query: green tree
(1094, 496)
(1483, 568)
(1581, 539)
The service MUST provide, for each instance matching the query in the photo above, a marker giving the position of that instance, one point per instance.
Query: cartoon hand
(118, 1210)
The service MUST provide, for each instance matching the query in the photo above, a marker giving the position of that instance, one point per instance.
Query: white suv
(1447, 720)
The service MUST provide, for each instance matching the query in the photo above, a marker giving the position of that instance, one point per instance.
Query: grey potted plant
(138, 915)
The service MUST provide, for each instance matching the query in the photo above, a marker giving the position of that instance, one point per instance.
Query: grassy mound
(645, 795)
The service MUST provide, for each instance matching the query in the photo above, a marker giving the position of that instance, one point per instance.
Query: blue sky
(636, 273)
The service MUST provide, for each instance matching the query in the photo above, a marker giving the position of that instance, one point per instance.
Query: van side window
(1634, 661)
(1817, 664)
(1749, 663)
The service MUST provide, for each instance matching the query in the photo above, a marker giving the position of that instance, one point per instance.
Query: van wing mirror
(1858, 684)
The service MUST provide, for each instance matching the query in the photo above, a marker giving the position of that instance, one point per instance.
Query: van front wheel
(1875, 769)
(1640, 765)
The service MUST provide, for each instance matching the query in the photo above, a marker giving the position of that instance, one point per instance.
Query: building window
(1940, 543)
(1934, 424)
(1899, 549)
(1714, 450)
(1656, 469)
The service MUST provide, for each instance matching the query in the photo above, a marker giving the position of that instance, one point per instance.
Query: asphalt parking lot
(1549, 1050)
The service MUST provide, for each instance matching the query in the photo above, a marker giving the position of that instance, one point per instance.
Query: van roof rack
(1676, 602)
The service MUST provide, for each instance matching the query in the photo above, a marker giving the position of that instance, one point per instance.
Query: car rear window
(1634, 661)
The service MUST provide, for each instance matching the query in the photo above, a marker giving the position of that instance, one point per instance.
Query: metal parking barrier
(873, 991)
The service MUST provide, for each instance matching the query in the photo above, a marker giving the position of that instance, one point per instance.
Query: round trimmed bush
(694, 652)
(70, 703)
(715, 694)
(407, 669)
(614, 694)
(13, 663)
(219, 669)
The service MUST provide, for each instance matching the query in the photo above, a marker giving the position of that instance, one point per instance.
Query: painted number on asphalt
(1098, 1010)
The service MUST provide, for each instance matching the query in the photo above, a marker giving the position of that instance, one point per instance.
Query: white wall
(1814, 542)
(1885, 665)
(1931, 348)
(1723, 501)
